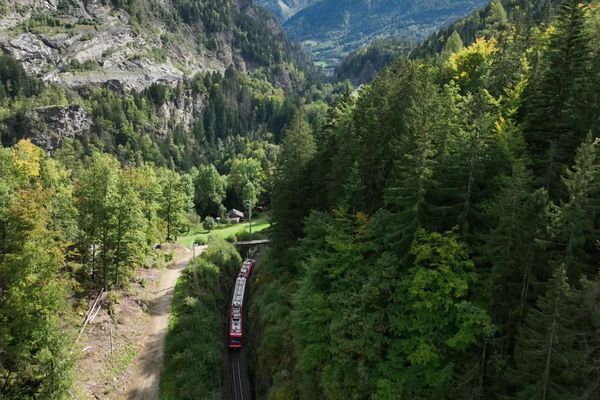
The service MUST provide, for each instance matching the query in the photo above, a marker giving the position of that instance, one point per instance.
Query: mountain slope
(284, 9)
(331, 29)
(138, 42)
(362, 65)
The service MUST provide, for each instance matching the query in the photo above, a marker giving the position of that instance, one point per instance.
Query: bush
(246, 236)
(200, 241)
(209, 223)
(232, 238)
(223, 254)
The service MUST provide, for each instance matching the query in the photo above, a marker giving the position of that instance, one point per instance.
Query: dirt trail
(148, 363)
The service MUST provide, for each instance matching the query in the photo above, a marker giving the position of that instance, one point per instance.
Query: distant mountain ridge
(330, 29)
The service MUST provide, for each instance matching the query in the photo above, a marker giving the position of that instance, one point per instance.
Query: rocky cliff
(77, 43)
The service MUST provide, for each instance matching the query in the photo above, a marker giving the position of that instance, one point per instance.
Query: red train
(236, 311)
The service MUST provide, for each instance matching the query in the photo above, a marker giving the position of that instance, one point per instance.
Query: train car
(236, 314)
(246, 269)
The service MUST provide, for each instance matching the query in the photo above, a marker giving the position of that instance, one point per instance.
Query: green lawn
(259, 224)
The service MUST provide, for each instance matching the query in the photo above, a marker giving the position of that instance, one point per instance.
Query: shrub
(247, 236)
(200, 241)
(209, 223)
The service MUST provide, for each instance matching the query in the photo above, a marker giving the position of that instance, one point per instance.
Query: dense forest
(68, 228)
(436, 235)
(364, 64)
(80, 212)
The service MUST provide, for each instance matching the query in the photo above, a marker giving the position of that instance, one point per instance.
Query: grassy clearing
(194, 351)
(197, 232)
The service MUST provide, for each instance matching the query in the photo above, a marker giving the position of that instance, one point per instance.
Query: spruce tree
(554, 104)
(406, 194)
(549, 352)
(516, 257)
(576, 222)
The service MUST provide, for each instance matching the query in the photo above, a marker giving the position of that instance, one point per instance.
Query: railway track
(237, 379)
(238, 376)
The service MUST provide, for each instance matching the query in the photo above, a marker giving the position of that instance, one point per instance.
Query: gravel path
(145, 383)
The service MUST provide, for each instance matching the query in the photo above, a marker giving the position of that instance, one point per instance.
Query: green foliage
(34, 336)
(549, 344)
(111, 220)
(554, 123)
(436, 203)
(194, 352)
(435, 320)
(209, 223)
(362, 65)
(244, 171)
(175, 200)
(209, 189)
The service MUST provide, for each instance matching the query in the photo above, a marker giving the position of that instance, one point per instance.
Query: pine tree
(576, 222)
(406, 194)
(554, 104)
(549, 353)
(353, 191)
(517, 259)
(497, 15)
(454, 44)
(292, 197)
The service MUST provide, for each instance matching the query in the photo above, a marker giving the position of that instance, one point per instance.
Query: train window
(236, 341)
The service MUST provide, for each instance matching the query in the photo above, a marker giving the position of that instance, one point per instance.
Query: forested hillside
(365, 63)
(98, 167)
(69, 227)
(331, 29)
(436, 236)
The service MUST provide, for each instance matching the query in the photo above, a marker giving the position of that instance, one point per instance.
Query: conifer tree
(554, 104)
(292, 198)
(497, 14)
(407, 190)
(549, 352)
(576, 222)
(517, 259)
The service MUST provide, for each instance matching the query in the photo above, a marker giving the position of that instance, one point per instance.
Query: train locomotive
(236, 311)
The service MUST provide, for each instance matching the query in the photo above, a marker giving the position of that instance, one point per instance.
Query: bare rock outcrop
(57, 123)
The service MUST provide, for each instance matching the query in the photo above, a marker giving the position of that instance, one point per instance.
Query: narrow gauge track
(237, 382)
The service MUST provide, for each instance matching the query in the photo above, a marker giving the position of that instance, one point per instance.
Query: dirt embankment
(122, 349)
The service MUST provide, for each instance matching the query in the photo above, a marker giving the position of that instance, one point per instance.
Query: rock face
(57, 123)
(81, 42)
(284, 9)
